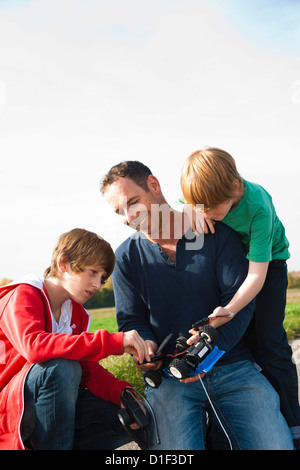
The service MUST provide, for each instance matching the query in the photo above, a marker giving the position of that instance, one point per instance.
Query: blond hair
(81, 248)
(208, 177)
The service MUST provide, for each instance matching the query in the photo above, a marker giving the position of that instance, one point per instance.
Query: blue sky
(273, 24)
(85, 84)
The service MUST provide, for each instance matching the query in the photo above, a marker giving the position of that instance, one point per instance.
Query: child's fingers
(134, 344)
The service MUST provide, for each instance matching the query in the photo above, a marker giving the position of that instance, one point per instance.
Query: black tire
(124, 417)
(210, 333)
(153, 378)
(179, 369)
(181, 345)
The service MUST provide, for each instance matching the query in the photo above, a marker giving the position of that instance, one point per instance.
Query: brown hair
(81, 248)
(136, 171)
(208, 178)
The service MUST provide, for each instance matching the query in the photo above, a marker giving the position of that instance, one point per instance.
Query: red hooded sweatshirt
(27, 338)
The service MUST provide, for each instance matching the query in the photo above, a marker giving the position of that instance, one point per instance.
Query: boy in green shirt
(210, 177)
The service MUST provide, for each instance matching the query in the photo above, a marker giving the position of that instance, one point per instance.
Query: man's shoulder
(223, 231)
(226, 236)
(130, 244)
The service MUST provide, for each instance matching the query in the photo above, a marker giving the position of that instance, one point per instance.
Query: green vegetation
(105, 319)
(294, 280)
(292, 320)
(122, 367)
(102, 298)
(105, 323)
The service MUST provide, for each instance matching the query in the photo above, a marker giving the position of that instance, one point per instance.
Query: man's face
(132, 203)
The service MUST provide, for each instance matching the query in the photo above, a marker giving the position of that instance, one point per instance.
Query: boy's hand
(152, 347)
(220, 316)
(209, 225)
(197, 220)
(135, 345)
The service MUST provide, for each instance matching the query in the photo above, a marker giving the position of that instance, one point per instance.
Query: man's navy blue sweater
(156, 297)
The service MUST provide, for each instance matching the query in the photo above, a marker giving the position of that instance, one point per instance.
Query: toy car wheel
(152, 378)
(179, 369)
(124, 417)
(181, 344)
(209, 333)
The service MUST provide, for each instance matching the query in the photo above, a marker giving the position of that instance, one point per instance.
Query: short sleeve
(261, 235)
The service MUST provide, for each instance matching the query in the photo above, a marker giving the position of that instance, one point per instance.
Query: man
(164, 281)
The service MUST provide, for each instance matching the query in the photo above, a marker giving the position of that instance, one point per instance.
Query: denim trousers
(245, 402)
(267, 340)
(60, 416)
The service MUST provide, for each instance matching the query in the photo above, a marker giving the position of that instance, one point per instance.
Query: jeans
(60, 416)
(244, 400)
(268, 343)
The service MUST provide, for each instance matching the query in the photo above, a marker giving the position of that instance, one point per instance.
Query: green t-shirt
(256, 221)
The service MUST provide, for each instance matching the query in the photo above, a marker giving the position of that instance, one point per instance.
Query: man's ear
(153, 185)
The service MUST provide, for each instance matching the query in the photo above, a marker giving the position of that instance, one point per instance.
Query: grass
(292, 320)
(108, 323)
(124, 368)
(106, 318)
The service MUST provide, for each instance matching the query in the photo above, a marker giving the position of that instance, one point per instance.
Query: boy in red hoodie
(53, 392)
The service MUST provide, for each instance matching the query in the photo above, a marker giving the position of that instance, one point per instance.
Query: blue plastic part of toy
(205, 365)
(209, 361)
(165, 373)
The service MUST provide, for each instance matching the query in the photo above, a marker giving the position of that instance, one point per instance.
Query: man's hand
(194, 338)
(192, 379)
(135, 345)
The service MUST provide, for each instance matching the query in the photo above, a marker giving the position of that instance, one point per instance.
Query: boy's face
(82, 286)
(220, 211)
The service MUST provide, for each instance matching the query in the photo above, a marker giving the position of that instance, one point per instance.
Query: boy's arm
(102, 383)
(23, 323)
(246, 293)
(231, 269)
(259, 255)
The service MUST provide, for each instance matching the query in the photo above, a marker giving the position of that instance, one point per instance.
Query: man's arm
(131, 310)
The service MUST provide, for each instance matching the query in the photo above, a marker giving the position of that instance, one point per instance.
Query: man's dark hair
(136, 171)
